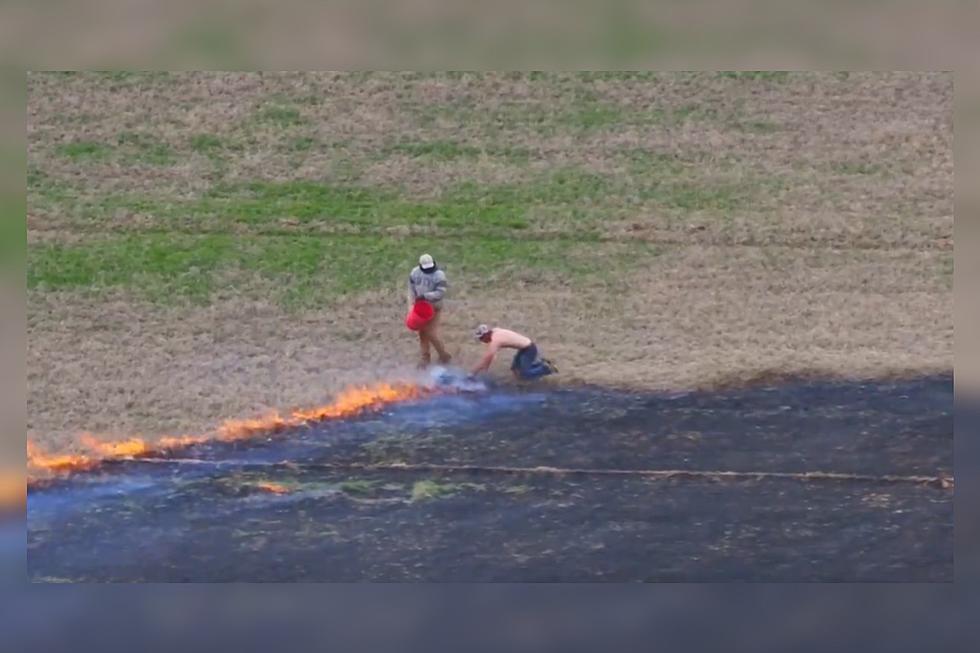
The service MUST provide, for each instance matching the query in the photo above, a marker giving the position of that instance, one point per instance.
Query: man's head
(482, 333)
(427, 263)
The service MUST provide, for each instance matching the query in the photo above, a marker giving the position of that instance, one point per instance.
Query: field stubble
(208, 245)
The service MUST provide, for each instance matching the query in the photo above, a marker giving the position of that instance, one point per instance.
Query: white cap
(426, 262)
(480, 331)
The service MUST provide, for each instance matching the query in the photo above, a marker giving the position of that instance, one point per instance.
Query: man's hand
(484, 363)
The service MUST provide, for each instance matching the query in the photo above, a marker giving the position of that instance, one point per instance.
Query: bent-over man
(526, 363)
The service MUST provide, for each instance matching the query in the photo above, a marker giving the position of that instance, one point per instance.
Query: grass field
(207, 245)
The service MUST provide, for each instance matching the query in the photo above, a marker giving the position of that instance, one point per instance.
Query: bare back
(505, 338)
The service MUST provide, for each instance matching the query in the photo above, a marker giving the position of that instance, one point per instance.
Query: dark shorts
(524, 358)
(526, 363)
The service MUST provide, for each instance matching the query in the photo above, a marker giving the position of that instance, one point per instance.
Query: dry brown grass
(838, 264)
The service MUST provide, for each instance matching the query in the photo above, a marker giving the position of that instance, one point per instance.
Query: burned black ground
(225, 512)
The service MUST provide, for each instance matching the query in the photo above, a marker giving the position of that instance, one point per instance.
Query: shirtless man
(526, 364)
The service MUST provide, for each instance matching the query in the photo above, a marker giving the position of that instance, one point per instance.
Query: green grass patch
(302, 270)
(156, 266)
(48, 195)
(302, 144)
(206, 143)
(515, 155)
(490, 209)
(592, 116)
(144, 148)
(131, 146)
(697, 196)
(258, 202)
(427, 490)
(263, 204)
(358, 487)
(85, 150)
(281, 116)
(569, 200)
(649, 162)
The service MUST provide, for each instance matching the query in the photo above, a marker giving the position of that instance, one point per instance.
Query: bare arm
(487, 359)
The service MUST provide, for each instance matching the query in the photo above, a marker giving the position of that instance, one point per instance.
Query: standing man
(428, 282)
(526, 363)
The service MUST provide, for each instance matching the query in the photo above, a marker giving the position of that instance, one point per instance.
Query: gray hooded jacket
(430, 287)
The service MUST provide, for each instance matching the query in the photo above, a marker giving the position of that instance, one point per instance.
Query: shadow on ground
(297, 507)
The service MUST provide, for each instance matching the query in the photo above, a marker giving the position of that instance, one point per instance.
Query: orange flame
(353, 401)
(172, 442)
(241, 429)
(272, 488)
(39, 459)
(348, 403)
(122, 449)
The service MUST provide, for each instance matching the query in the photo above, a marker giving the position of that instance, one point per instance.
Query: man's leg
(545, 366)
(517, 364)
(530, 365)
(537, 370)
(524, 362)
(426, 354)
(432, 333)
